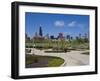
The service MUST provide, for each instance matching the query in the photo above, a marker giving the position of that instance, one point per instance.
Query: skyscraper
(40, 31)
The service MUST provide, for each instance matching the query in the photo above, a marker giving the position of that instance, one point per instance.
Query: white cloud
(59, 23)
(75, 24)
(72, 24)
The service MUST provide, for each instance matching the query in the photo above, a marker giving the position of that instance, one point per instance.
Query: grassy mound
(43, 61)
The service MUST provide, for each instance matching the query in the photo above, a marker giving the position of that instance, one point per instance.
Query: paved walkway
(73, 58)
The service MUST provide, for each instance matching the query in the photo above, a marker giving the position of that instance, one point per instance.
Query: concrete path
(73, 58)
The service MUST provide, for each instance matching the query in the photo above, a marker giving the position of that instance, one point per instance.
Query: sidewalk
(73, 58)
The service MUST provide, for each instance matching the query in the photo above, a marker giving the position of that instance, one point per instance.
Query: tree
(40, 31)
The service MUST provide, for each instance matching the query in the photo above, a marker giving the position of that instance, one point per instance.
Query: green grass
(55, 62)
(30, 59)
(57, 51)
(52, 61)
(59, 44)
(86, 53)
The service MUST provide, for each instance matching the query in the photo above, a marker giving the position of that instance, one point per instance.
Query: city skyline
(53, 24)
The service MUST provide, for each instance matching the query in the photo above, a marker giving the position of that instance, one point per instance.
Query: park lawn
(58, 44)
(48, 44)
(55, 62)
(52, 61)
(30, 59)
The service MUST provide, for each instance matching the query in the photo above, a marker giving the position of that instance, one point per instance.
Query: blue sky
(53, 24)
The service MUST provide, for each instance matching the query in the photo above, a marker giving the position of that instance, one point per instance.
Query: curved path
(73, 58)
